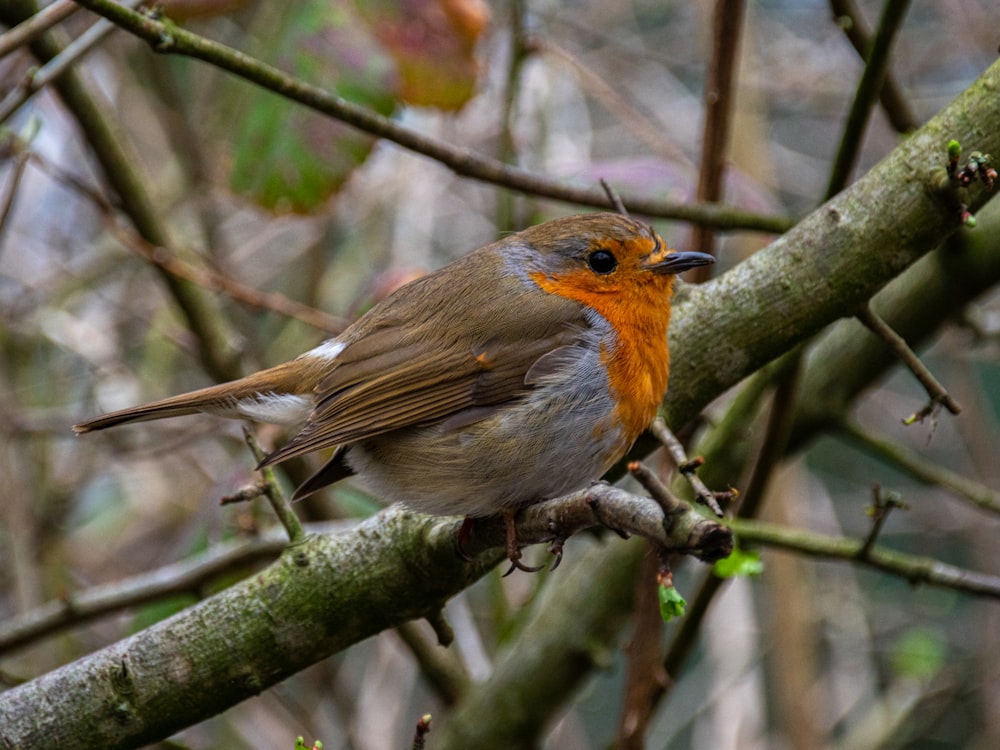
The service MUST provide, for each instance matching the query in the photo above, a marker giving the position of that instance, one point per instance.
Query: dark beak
(680, 262)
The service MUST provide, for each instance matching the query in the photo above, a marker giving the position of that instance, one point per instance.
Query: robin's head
(595, 255)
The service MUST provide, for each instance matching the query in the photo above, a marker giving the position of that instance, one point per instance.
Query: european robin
(517, 373)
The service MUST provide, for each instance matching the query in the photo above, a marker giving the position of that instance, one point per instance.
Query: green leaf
(740, 563)
(919, 653)
(286, 157)
(672, 604)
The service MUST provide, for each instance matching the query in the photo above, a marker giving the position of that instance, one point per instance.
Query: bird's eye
(602, 262)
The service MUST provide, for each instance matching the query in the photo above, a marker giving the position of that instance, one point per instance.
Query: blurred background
(274, 212)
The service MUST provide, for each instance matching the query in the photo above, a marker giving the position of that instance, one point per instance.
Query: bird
(517, 373)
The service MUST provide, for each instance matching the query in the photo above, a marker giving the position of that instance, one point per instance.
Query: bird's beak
(676, 262)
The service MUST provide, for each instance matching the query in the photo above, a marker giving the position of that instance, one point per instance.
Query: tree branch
(849, 18)
(314, 601)
(899, 347)
(112, 152)
(876, 69)
(913, 568)
(189, 576)
(918, 467)
(166, 37)
(719, 95)
(826, 268)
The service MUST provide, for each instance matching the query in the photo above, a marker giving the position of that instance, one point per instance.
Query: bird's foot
(513, 550)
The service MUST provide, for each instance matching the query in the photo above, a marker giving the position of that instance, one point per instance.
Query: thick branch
(189, 576)
(831, 263)
(324, 594)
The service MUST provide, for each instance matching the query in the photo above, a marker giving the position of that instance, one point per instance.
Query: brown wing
(390, 377)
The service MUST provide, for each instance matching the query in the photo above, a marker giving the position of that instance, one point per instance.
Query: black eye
(601, 261)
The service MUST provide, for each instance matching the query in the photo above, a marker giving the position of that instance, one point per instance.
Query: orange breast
(637, 359)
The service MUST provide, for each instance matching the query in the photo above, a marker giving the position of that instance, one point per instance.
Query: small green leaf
(954, 149)
(672, 604)
(740, 563)
(919, 653)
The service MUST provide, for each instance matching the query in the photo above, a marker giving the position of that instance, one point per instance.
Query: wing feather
(389, 377)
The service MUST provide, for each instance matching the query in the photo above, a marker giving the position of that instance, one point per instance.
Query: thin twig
(668, 502)
(688, 467)
(650, 132)
(614, 198)
(167, 38)
(914, 568)
(936, 391)
(876, 67)
(39, 78)
(421, 731)
(16, 173)
(882, 505)
(286, 516)
(727, 24)
(897, 109)
(202, 277)
(920, 468)
(507, 152)
(39, 23)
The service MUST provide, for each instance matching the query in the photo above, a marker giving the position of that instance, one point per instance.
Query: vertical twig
(882, 505)
(519, 51)
(726, 27)
(644, 677)
(775, 441)
(876, 66)
(273, 493)
(613, 198)
(897, 109)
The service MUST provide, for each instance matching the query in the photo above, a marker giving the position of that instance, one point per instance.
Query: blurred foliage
(374, 54)
(283, 200)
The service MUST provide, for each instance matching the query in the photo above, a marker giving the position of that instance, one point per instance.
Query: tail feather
(268, 396)
(212, 400)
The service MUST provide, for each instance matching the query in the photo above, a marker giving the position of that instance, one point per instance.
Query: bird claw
(513, 549)
(516, 564)
(462, 538)
(556, 550)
